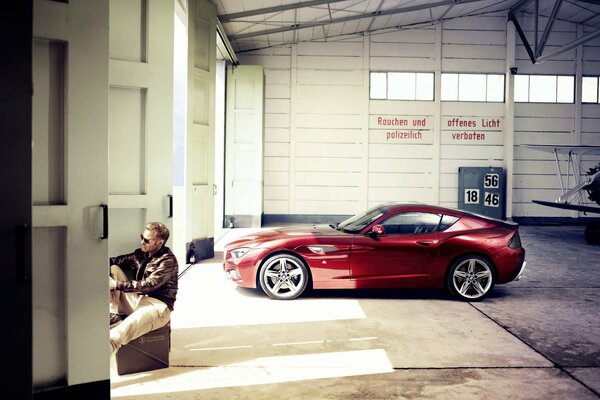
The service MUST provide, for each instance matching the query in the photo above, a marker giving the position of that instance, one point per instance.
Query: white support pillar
(577, 108)
(509, 117)
(437, 118)
(365, 119)
(293, 111)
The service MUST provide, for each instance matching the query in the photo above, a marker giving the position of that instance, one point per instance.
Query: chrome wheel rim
(283, 277)
(472, 278)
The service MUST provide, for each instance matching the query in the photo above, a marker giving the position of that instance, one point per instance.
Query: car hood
(292, 232)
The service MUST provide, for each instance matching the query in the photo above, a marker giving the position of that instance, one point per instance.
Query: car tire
(283, 277)
(471, 278)
(592, 233)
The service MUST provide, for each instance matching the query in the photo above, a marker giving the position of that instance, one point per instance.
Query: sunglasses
(146, 241)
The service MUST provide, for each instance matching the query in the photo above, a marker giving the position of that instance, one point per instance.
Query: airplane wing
(565, 206)
(581, 150)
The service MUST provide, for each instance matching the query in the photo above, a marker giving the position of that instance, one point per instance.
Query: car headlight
(239, 253)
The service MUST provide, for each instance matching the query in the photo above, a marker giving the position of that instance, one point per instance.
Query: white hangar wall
(326, 154)
(562, 124)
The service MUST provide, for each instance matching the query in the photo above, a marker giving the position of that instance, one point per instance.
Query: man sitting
(143, 286)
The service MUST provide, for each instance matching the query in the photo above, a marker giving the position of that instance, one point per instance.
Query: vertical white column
(437, 117)
(509, 117)
(365, 121)
(577, 108)
(578, 88)
(293, 110)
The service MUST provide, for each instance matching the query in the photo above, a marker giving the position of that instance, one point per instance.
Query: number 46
(491, 199)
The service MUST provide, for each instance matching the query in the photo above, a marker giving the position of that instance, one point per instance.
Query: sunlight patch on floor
(264, 370)
(195, 347)
(260, 312)
(207, 299)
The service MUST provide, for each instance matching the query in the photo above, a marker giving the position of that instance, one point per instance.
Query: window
(402, 86)
(544, 89)
(358, 222)
(447, 222)
(495, 88)
(473, 87)
(378, 85)
(416, 222)
(589, 90)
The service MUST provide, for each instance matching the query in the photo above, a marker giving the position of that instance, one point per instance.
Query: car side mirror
(377, 230)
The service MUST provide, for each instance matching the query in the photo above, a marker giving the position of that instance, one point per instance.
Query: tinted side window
(410, 223)
(447, 222)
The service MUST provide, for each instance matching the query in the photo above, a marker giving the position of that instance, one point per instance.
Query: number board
(481, 190)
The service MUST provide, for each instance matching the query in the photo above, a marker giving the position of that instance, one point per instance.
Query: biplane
(574, 186)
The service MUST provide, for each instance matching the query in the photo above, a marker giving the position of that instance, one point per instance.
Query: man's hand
(112, 284)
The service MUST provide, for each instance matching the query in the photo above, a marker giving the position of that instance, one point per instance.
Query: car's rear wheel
(471, 278)
(283, 277)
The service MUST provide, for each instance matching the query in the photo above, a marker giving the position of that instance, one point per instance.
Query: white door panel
(16, 197)
(49, 306)
(69, 182)
(48, 125)
(200, 208)
(244, 145)
(140, 118)
(200, 152)
(127, 170)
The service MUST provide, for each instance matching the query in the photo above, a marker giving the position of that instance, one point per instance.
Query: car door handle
(424, 242)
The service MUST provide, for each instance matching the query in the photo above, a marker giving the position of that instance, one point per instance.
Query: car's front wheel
(283, 277)
(470, 278)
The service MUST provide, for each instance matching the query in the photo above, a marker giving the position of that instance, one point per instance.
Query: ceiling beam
(517, 6)
(351, 18)
(570, 46)
(591, 1)
(539, 48)
(523, 37)
(268, 10)
(373, 19)
(224, 45)
(537, 57)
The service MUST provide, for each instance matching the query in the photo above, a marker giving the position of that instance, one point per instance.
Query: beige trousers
(144, 313)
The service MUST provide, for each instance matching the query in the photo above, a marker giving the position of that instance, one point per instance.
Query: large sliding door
(15, 196)
(69, 192)
(84, 146)
(201, 127)
(244, 146)
(140, 118)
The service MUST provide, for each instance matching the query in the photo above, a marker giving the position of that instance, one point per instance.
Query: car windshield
(358, 222)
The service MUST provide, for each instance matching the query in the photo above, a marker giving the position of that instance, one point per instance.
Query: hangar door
(140, 119)
(200, 154)
(15, 204)
(244, 146)
(69, 189)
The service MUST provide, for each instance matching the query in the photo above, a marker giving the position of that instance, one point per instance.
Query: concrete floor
(538, 338)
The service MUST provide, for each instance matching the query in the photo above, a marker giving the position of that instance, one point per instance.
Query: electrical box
(481, 190)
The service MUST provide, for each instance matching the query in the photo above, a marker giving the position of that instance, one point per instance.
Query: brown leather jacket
(155, 276)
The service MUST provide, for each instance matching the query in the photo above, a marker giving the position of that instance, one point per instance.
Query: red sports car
(388, 246)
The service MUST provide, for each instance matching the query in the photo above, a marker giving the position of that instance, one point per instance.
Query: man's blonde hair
(162, 232)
